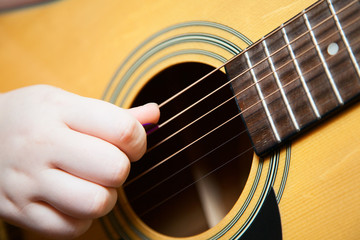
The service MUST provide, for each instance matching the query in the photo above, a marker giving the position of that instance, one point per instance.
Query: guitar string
(239, 75)
(207, 154)
(132, 200)
(237, 94)
(126, 184)
(213, 129)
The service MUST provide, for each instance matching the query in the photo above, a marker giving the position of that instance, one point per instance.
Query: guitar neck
(299, 73)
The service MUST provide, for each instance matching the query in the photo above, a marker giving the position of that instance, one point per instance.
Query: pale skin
(62, 156)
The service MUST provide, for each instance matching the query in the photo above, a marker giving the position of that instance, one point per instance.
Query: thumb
(148, 113)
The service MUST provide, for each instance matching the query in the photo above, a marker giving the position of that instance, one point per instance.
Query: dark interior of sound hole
(192, 190)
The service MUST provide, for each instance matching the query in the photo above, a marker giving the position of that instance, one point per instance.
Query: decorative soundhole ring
(208, 43)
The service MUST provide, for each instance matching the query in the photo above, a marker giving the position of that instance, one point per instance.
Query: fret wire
(299, 72)
(326, 67)
(344, 38)
(250, 47)
(292, 116)
(272, 124)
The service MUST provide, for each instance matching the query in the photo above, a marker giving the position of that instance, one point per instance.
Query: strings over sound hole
(198, 162)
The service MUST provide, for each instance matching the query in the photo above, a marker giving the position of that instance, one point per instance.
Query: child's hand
(62, 157)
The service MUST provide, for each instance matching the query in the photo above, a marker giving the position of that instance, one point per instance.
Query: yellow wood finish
(78, 45)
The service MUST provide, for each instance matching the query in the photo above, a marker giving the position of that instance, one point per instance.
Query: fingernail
(150, 127)
(151, 103)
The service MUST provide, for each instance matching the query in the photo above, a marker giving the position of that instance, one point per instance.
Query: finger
(90, 158)
(106, 121)
(41, 217)
(74, 196)
(148, 113)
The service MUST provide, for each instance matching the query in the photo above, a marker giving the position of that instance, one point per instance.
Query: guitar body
(111, 50)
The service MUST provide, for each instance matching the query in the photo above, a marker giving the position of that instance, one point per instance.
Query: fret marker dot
(333, 49)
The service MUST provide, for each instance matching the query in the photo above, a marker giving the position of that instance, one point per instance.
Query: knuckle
(52, 95)
(140, 150)
(103, 202)
(120, 171)
(132, 139)
(128, 131)
(45, 92)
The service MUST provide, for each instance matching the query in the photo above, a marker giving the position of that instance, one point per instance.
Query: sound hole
(199, 184)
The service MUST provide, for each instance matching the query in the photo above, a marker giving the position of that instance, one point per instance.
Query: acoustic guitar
(259, 136)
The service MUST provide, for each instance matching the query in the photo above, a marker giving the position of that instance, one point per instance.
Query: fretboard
(298, 74)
